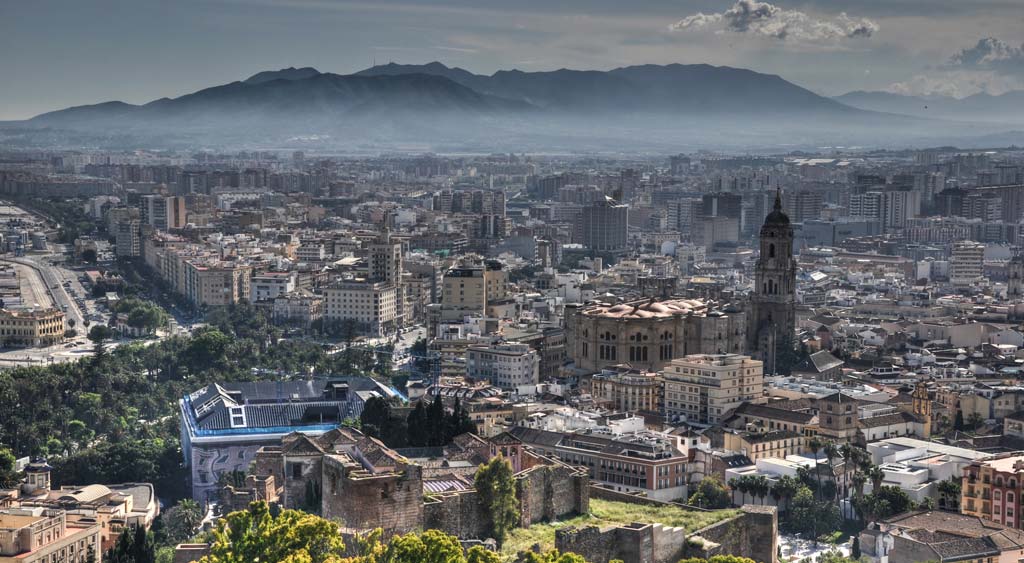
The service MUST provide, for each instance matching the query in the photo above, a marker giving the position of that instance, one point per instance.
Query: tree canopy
(710, 493)
(289, 537)
(497, 492)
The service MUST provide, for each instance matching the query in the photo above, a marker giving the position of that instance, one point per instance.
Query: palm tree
(787, 487)
(734, 485)
(831, 452)
(847, 451)
(876, 475)
(815, 445)
(858, 484)
(760, 487)
(746, 486)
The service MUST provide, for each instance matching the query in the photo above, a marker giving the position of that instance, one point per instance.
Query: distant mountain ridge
(673, 87)
(434, 105)
(290, 73)
(308, 94)
(1008, 107)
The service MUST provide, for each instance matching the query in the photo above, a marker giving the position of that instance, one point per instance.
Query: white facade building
(513, 367)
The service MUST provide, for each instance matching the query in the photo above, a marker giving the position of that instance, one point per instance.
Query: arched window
(999, 481)
(997, 495)
(1012, 484)
(771, 251)
(1009, 498)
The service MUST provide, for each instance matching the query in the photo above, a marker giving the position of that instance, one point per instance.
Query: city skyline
(825, 46)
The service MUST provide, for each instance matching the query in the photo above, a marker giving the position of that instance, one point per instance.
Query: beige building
(39, 535)
(703, 388)
(625, 389)
(760, 445)
(217, 283)
(298, 309)
(470, 289)
(373, 306)
(31, 327)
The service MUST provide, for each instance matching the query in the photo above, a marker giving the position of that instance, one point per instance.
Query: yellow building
(759, 445)
(31, 327)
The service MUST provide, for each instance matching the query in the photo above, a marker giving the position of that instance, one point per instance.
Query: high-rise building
(966, 265)
(1015, 278)
(773, 303)
(803, 205)
(604, 226)
(702, 388)
(385, 258)
(128, 238)
(722, 205)
(164, 212)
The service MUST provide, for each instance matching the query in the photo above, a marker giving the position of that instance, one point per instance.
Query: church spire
(778, 198)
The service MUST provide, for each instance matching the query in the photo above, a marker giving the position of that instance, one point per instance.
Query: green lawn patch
(605, 514)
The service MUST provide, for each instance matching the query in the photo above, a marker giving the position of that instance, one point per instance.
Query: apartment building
(271, 285)
(297, 309)
(623, 388)
(991, 490)
(512, 367)
(164, 213)
(373, 306)
(40, 535)
(704, 388)
(762, 445)
(645, 462)
(966, 265)
(214, 283)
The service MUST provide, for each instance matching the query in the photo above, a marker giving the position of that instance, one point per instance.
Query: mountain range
(436, 106)
(1003, 108)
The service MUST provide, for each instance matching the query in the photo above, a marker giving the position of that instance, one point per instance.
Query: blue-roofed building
(223, 425)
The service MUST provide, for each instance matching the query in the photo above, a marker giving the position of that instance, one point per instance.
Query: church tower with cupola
(773, 302)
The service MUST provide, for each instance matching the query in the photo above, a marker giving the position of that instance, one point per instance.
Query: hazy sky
(59, 53)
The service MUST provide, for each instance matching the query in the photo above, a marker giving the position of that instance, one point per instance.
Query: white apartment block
(271, 285)
(703, 388)
(513, 367)
(967, 264)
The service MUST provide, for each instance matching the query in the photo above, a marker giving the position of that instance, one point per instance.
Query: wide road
(52, 282)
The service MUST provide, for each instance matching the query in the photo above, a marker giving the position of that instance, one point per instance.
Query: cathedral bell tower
(773, 303)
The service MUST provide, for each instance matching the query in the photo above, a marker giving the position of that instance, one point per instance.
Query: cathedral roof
(777, 216)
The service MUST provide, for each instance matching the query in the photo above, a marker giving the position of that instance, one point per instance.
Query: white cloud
(769, 20)
(990, 53)
(991, 65)
(956, 83)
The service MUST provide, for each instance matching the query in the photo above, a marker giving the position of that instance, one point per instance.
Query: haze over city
(572, 281)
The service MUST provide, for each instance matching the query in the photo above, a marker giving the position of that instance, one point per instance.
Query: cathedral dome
(777, 216)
